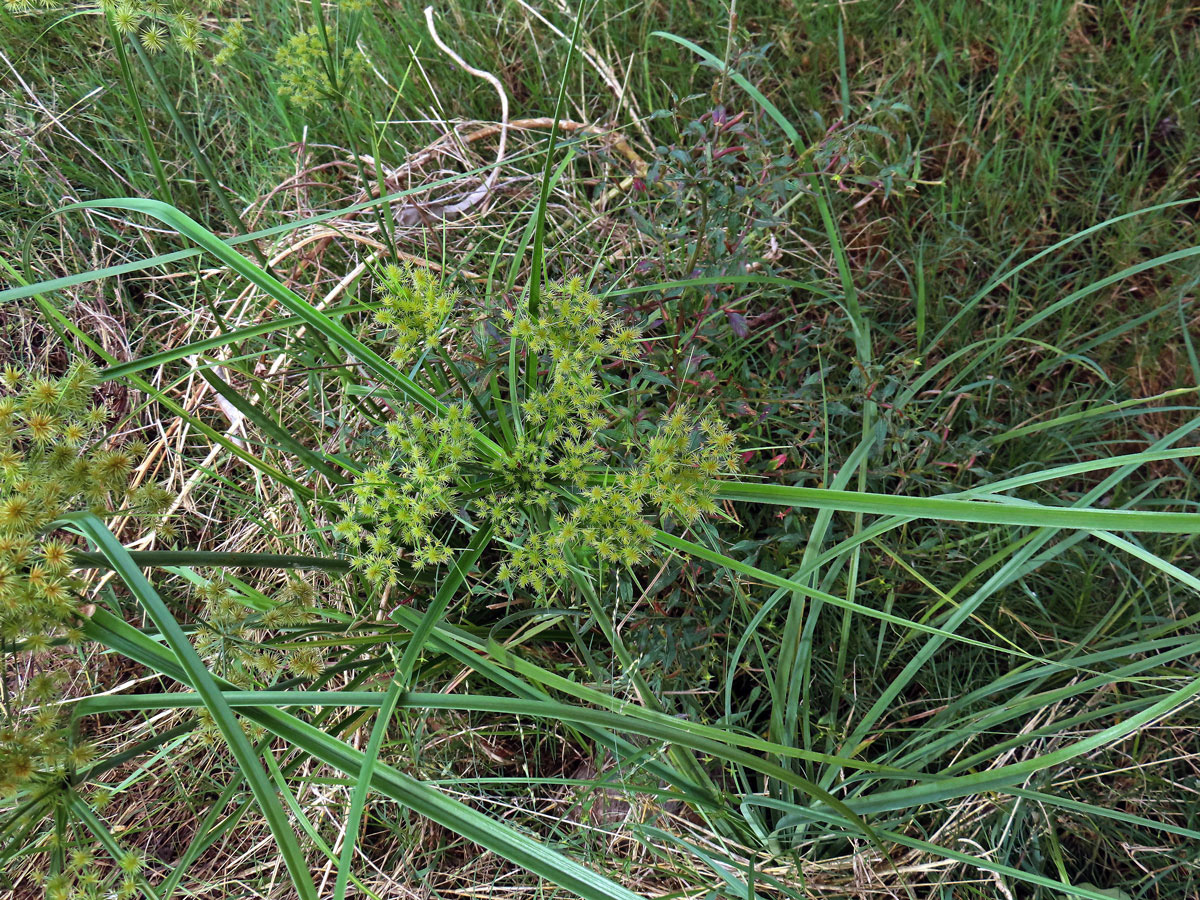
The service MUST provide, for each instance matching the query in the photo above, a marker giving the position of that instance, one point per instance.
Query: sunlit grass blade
(23, 290)
(117, 371)
(956, 510)
(941, 851)
(268, 426)
(451, 582)
(1007, 274)
(305, 824)
(223, 558)
(537, 267)
(698, 551)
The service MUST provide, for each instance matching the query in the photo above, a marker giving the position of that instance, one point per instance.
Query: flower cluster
(395, 505)
(301, 68)
(52, 461)
(28, 6)
(560, 491)
(570, 333)
(153, 23)
(232, 635)
(304, 78)
(414, 306)
(82, 879)
(233, 37)
(670, 479)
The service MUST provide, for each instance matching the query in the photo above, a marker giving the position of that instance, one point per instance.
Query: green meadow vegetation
(519, 448)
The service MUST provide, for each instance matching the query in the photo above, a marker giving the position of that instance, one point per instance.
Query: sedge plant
(499, 459)
(446, 474)
(553, 490)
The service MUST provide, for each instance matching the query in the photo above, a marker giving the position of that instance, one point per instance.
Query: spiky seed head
(154, 37)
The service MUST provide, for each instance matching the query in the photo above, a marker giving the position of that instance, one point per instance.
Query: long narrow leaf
(358, 800)
(328, 327)
(200, 678)
(475, 826)
(957, 510)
